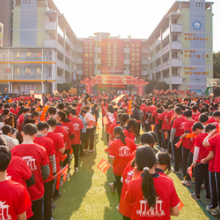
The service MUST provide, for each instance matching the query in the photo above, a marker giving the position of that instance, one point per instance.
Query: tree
(161, 86)
(64, 87)
(152, 85)
(216, 65)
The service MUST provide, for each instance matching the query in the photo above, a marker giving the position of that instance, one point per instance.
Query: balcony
(144, 50)
(144, 72)
(126, 50)
(5, 76)
(165, 49)
(175, 80)
(176, 45)
(176, 63)
(60, 80)
(60, 47)
(97, 61)
(158, 54)
(144, 62)
(166, 65)
(79, 72)
(79, 61)
(158, 69)
(50, 26)
(27, 77)
(126, 61)
(97, 50)
(176, 28)
(60, 64)
(79, 50)
(50, 43)
(67, 67)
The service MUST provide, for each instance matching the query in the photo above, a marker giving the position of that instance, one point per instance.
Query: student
(13, 195)
(201, 170)
(131, 130)
(120, 152)
(164, 127)
(176, 132)
(124, 120)
(58, 146)
(37, 160)
(163, 163)
(7, 135)
(48, 144)
(149, 199)
(83, 132)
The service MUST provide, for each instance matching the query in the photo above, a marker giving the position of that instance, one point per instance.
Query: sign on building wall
(135, 58)
(112, 52)
(88, 57)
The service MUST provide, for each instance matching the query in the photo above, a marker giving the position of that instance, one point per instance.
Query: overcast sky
(137, 18)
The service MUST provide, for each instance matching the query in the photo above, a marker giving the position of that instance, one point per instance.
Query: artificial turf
(86, 195)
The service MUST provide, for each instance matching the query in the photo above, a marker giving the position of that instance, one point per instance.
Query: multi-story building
(41, 51)
(1, 34)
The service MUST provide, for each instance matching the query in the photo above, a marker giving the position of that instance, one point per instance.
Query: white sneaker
(76, 169)
(90, 151)
(117, 208)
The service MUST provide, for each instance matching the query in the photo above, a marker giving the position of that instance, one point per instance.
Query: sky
(137, 18)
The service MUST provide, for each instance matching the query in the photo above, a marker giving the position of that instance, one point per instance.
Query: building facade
(40, 50)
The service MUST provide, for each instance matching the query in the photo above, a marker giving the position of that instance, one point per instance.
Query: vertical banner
(89, 89)
(140, 91)
(112, 51)
(88, 57)
(135, 57)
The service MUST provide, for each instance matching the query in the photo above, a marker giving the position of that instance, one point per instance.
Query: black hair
(110, 109)
(5, 158)
(164, 158)
(42, 125)
(178, 111)
(188, 114)
(154, 135)
(203, 118)
(132, 123)
(197, 125)
(119, 130)
(73, 111)
(6, 111)
(30, 129)
(216, 114)
(61, 106)
(146, 159)
(52, 110)
(147, 139)
(83, 111)
(25, 110)
(6, 129)
(124, 118)
(62, 115)
(209, 127)
(35, 114)
(52, 122)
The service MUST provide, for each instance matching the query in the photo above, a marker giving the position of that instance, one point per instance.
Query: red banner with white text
(88, 57)
(135, 57)
(112, 51)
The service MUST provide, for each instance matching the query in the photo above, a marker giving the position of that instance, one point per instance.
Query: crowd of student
(37, 141)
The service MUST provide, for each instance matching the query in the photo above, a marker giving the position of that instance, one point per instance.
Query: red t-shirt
(178, 125)
(163, 118)
(62, 132)
(111, 129)
(170, 115)
(156, 115)
(215, 143)
(166, 199)
(19, 172)
(14, 199)
(77, 127)
(127, 175)
(212, 161)
(121, 153)
(20, 121)
(58, 144)
(68, 126)
(203, 152)
(195, 116)
(187, 129)
(47, 143)
(129, 134)
(35, 156)
(13, 111)
(104, 108)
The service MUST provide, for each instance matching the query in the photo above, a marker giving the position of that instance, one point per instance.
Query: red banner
(104, 165)
(112, 55)
(135, 57)
(88, 57)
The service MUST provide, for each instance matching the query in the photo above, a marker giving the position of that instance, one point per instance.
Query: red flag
(165, 135)
(178, 144)
(64, 157)
(191, 135)
(71, 151)
(189, 170)
(181, 205)
(104, 165)
(152, 127)
(63, 172)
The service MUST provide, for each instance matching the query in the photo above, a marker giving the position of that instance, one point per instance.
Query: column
(43, 90)
(54, 86)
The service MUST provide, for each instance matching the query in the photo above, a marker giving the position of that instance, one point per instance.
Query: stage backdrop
(88, 57)
(112, 55)
(135, 58)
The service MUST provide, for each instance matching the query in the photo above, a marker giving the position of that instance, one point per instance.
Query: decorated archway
(115, 80)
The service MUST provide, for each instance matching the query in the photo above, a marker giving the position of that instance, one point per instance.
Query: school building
(39, 50)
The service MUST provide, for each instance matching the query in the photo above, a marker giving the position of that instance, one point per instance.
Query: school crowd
(38, 140)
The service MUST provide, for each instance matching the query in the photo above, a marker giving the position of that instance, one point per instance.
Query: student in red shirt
(131, 130)
(21, 117)
(120, 152)
(37, 160)
(176, 132)
(19, 172)
(112, 126)
(201, 170)
(48, 144)
(104, 107)
(12, 195)
(75, 142)
(58, 146)
(196, 113)
(153, 195)
(186, 146)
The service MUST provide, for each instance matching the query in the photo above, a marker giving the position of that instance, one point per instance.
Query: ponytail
(119, 131)
(145, 160)
(122, 137)
(148, 188)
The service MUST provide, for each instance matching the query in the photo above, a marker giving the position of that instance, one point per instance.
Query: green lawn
(86, 194)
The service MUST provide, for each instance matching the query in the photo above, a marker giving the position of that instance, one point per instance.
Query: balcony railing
(178, 28)
(27, 77)
(50, 26)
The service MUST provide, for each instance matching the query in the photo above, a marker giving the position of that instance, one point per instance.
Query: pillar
(43, 90)
(54, 86)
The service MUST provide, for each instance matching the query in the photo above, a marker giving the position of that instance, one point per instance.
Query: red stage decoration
(112, 51)
(88, 57)
(135, 57)
(186, 92)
